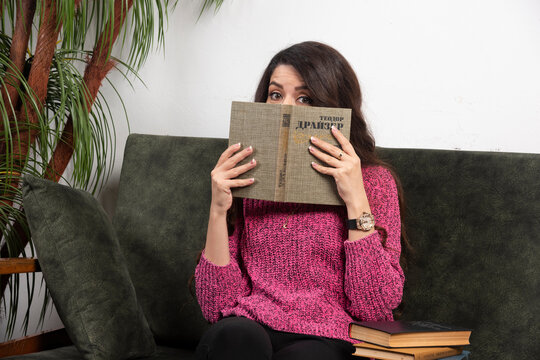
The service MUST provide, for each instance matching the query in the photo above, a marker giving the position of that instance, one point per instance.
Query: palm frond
(7, 16)
(95, 148)
(142, 30)
(75, 25)
(208, 4)
(147, 17)
(93, 155)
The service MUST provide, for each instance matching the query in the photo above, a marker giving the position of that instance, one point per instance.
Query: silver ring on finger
(340, 155)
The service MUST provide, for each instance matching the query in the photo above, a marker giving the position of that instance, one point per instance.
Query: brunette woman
(290, 292)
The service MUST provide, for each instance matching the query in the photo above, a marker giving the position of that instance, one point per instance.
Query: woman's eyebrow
(302, 87)
(276, 84)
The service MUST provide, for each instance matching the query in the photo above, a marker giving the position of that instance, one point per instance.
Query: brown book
(409, 333)
(421, 353)
(280, 136)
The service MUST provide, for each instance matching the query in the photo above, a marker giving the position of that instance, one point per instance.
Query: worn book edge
(424, 353)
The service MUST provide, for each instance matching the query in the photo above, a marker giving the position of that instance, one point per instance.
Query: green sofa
(473, 220)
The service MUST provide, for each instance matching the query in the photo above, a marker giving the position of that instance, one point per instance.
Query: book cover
(409, 333)
(423, 353)
(280, 136)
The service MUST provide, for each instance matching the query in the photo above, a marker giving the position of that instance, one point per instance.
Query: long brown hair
(333, 83)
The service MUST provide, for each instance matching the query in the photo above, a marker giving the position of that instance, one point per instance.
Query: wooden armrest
(18, 265)
(45, 341)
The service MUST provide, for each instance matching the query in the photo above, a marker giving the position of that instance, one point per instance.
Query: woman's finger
(330, 160)
(343, 141)
(236, 158)
(323, 169)
(239, 182)
(330, 149)
(239, 170)
(228, 153)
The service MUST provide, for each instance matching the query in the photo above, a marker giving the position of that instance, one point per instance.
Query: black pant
(238, 338)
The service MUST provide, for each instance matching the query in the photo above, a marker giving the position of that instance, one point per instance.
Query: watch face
(367, 226)
(365, 222)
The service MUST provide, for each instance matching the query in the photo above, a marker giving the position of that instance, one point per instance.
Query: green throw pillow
(85, 272)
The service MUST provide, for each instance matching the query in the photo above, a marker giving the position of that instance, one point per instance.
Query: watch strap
(365, 222)
(351, 224)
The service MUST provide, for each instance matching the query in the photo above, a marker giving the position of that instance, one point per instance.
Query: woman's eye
(274, 96)
(305, 100)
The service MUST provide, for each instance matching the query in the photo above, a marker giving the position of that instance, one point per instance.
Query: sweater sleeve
(373, 276)
(218, 287)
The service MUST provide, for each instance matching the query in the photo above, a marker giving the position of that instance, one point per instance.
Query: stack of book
(409, 340)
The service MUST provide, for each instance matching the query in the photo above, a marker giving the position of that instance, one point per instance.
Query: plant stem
(96, 70)
(17, 55)
(19, 44)
(38, 79)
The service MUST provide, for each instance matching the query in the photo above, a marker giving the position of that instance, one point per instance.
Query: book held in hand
(419, 353)
(409, 333)
(280, 136)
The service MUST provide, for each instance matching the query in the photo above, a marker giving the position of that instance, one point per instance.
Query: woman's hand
(224, 174)
(345, 168)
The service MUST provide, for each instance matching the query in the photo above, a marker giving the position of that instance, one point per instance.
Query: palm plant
(53, 113)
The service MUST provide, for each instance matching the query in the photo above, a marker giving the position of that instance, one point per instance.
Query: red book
(409, 333)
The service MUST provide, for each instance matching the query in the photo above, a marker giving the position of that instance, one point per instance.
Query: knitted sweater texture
(308, 278)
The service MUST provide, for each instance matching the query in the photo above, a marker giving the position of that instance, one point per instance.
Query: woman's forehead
(286, 73)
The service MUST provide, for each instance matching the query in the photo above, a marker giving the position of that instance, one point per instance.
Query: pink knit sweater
(308, 278)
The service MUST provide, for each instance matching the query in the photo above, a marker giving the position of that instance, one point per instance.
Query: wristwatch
(365, 222)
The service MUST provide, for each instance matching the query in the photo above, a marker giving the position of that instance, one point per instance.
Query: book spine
(281, 161)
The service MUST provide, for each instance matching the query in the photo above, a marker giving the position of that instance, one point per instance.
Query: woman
(291, 277)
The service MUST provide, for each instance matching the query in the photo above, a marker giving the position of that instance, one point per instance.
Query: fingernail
(313, 164)
(310, 148)
(250, 148)
(238, 145)
(313, 139)
(333, 128)
(252, 161)
(252, 180)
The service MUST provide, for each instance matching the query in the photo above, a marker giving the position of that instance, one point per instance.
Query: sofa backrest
(473, 222)
(160, 219)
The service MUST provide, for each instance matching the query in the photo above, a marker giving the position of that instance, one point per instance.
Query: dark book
(280, 136)
(414, 353)
(409, 333)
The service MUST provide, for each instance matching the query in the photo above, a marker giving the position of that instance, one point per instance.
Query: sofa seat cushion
(71, 353)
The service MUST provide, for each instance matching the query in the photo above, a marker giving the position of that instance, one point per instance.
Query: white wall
(441, 74)
(436, 74)
(446, 74)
